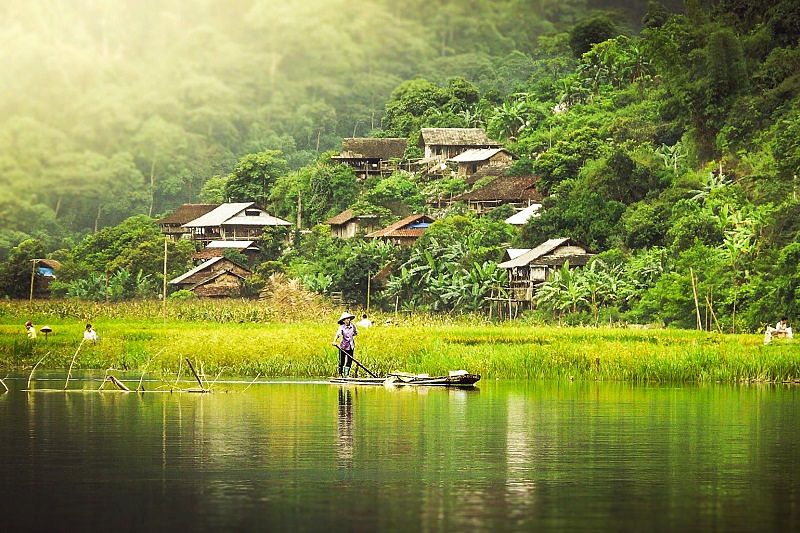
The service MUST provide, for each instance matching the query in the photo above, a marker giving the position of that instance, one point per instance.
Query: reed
(285, 345)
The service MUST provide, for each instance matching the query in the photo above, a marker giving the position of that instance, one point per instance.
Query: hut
(232, 221)
(518, 191)
(172, 224)
(405, 231)
(218, 248)
(446, 143)
(371, 156)
(470, 161)
(347, 224)
(218, 277)
(529, 268)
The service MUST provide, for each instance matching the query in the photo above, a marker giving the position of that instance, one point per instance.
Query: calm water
(312, 456)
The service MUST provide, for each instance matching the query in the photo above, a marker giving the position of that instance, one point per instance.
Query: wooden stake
(251, 383)
(3, 383)
(33, 277)
(191, 367)
(696, 303)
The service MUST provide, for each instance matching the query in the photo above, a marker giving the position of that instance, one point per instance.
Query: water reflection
(344, 425)
(510, 457)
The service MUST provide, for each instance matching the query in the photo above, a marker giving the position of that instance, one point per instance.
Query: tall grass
(246, 338)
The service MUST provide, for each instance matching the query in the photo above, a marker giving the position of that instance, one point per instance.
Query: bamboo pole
(34, 369)
(251, 383)
(33, 277)
(3, 383)
(191, 367)
(164, 288)
(69, 372)
(696, 302)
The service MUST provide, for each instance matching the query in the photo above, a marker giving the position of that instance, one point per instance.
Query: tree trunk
(97, 218)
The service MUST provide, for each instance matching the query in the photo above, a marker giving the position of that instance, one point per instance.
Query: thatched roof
(457, 137)
(187, 213)
(404, 227)
(373, 148)
(346, 216)
(504, 189)
(484, 171)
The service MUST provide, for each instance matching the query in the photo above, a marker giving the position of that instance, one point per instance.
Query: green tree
(254, 175)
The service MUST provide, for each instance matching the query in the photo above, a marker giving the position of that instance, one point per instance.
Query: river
(309, 456)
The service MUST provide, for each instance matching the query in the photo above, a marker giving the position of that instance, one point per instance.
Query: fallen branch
(191, 367)
(144, 369)
(118, 383)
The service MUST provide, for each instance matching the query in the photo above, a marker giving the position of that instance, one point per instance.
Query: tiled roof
(457, 137)
(187, 213)
(504, 188)
(400, 228)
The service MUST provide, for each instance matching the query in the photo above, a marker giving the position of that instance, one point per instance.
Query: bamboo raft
(405, 379)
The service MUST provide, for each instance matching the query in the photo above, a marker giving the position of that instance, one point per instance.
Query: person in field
(30, 330)
(782, 330)
(347, 333)
(89, 334)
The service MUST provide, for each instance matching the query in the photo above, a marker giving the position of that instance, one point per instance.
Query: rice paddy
(248, 338)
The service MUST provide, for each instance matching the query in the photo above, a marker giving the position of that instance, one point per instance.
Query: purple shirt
(347, 333)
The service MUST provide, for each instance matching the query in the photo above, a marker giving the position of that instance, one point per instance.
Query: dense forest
(665, 137)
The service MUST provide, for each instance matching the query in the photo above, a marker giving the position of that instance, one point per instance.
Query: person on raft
(347, 332)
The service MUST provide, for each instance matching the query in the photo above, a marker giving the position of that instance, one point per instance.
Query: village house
(518, 191)
(218, 248)
(371, 156)
(405, 231)
(231, 222)
(447, 143)
(472, 160)
(347, 224)
(172, 224)
(218, 277)
(44, 272)
(529, 268)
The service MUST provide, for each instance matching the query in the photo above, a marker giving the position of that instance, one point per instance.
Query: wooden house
(231, 222)
(218, 248)
(347, 224)
(371, 156)
(529, 268)
(216, 278)
(44, 272)
(447, 143)
(404, 231)
(519, 191)
(470, 161)
(172, 224)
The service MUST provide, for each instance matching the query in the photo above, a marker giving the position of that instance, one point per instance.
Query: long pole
(164, 288)
(33, 277)
(369, 278)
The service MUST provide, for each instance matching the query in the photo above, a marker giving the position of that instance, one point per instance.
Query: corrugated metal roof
(478, 154)
(519, 219)
(195, 270)
(219, 215)
(237, 245)
(513, 253)
(526, 258)
(261, 220)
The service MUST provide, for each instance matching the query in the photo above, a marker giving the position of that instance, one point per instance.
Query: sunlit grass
(246, 338)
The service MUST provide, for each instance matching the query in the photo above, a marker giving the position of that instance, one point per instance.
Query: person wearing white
(89, 334)
(364, 322)
(781, 329)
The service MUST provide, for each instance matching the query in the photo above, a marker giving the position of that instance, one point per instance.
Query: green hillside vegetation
(666, 141)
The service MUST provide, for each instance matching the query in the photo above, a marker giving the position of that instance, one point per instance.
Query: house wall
(224, 286)
(500, 159)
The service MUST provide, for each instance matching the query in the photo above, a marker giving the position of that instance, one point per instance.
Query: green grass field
(246, 338)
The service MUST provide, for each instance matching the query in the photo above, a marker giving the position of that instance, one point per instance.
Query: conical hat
(345, 315)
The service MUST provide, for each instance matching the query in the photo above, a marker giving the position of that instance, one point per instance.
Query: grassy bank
(244, 339)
